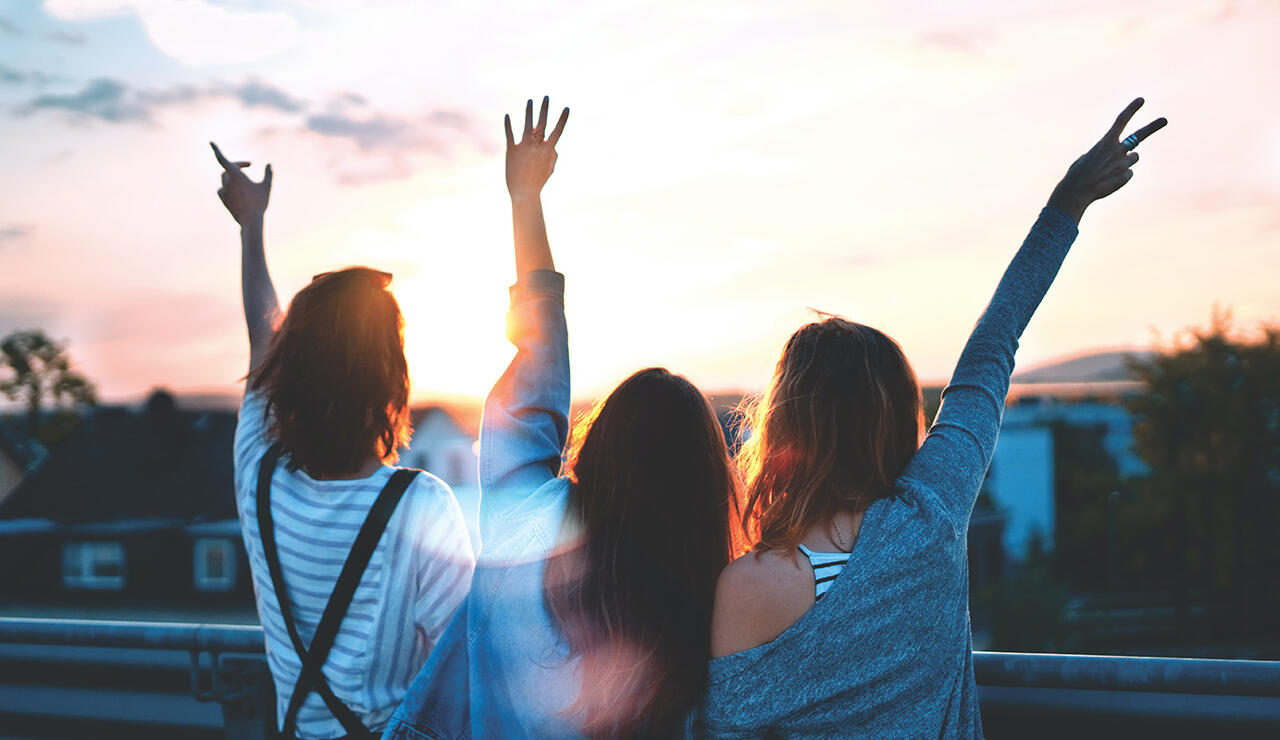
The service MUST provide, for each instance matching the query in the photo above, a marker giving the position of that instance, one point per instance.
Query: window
(215, 564)
(457, 468)
(95, 565)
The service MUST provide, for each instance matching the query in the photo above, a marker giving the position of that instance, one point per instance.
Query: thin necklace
(839, 534)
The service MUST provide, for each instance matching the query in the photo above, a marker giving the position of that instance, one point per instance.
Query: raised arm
(954, 458)
(526, 415)
(246, 200)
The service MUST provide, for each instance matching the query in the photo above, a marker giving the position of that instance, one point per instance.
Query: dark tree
(1086, 485)
(36, 372)
(1209, 427)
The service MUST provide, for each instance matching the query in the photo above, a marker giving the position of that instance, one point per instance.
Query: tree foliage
(1209, 428)
(1086, 486)
(1028, 605)
(36, 372)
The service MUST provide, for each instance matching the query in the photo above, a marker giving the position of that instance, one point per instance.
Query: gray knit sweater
(888, 652)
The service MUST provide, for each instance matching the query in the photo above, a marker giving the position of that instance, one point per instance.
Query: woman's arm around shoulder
(758, 596)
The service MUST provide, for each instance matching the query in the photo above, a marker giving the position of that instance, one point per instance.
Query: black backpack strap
(311, 677)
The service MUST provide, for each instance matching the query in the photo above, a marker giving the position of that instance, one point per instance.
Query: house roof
(123, 463)
(27, 454)
(465, 418)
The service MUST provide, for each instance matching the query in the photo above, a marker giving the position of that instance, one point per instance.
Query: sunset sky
(726, 166)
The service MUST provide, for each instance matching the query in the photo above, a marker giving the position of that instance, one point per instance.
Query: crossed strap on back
(312, 678)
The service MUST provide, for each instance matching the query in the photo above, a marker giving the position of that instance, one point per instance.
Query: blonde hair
(839, 421)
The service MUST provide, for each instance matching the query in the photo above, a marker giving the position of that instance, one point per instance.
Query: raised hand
(1105, 168)
(244, 198)
(532, 161)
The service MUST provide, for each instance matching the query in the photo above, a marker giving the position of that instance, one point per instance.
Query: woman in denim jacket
(589, 613)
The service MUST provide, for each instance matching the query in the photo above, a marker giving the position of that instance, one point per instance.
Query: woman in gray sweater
(851, 616)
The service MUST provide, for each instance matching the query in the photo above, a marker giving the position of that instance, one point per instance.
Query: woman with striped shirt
(357, 565)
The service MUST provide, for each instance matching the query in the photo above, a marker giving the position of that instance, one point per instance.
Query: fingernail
(546, 98)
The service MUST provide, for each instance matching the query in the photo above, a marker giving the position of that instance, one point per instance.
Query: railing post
(247, 697)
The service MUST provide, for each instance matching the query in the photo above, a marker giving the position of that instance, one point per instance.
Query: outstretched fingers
(226, 163)
(1149, 129)
(542, 116)
(536, 132)
(1123, 119)
(559, 129)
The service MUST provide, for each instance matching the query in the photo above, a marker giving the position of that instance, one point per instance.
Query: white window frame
(79, 561)
(203, 580)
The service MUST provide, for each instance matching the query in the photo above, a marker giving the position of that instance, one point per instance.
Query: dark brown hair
(839, 421)
(335, 378)
(653, 486)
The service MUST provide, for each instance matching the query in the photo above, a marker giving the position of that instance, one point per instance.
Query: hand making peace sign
(1105, 168)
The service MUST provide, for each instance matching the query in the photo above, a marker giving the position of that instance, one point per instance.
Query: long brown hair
(655, 491)
(335, 378)
(836, 426)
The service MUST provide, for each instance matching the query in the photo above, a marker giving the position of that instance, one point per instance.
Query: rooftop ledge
(1051, 695)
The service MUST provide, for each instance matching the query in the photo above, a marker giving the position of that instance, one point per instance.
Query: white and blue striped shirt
(826, 568)
(417, 577)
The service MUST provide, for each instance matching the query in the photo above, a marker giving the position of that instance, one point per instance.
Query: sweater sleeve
(526, 415)
(955, 455)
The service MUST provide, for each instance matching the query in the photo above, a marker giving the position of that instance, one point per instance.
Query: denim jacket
(502, 669)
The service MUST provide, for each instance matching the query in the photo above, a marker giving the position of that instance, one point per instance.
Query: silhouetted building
(1021, 479)
(135, 502)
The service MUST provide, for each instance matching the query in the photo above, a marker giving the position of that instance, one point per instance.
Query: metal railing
(1129, 673)
(1019, 691)
(226, 665)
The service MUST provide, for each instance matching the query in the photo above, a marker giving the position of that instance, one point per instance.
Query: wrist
(252, 223)
(526, 197)
(1071, 207)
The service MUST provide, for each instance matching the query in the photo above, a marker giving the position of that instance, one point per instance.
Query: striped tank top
(826, 566)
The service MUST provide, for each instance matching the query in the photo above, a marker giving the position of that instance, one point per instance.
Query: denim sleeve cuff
(539, 283)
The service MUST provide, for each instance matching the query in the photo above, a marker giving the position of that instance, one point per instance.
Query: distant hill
(1096, 367)
(207, 400)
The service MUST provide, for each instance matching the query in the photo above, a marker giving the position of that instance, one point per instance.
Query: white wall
(1021, 483)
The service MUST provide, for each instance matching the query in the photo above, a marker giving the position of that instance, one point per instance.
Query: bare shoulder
(758, 596)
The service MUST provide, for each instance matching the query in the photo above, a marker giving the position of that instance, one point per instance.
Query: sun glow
(721, 172)
(454, 251)
(453, 338)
